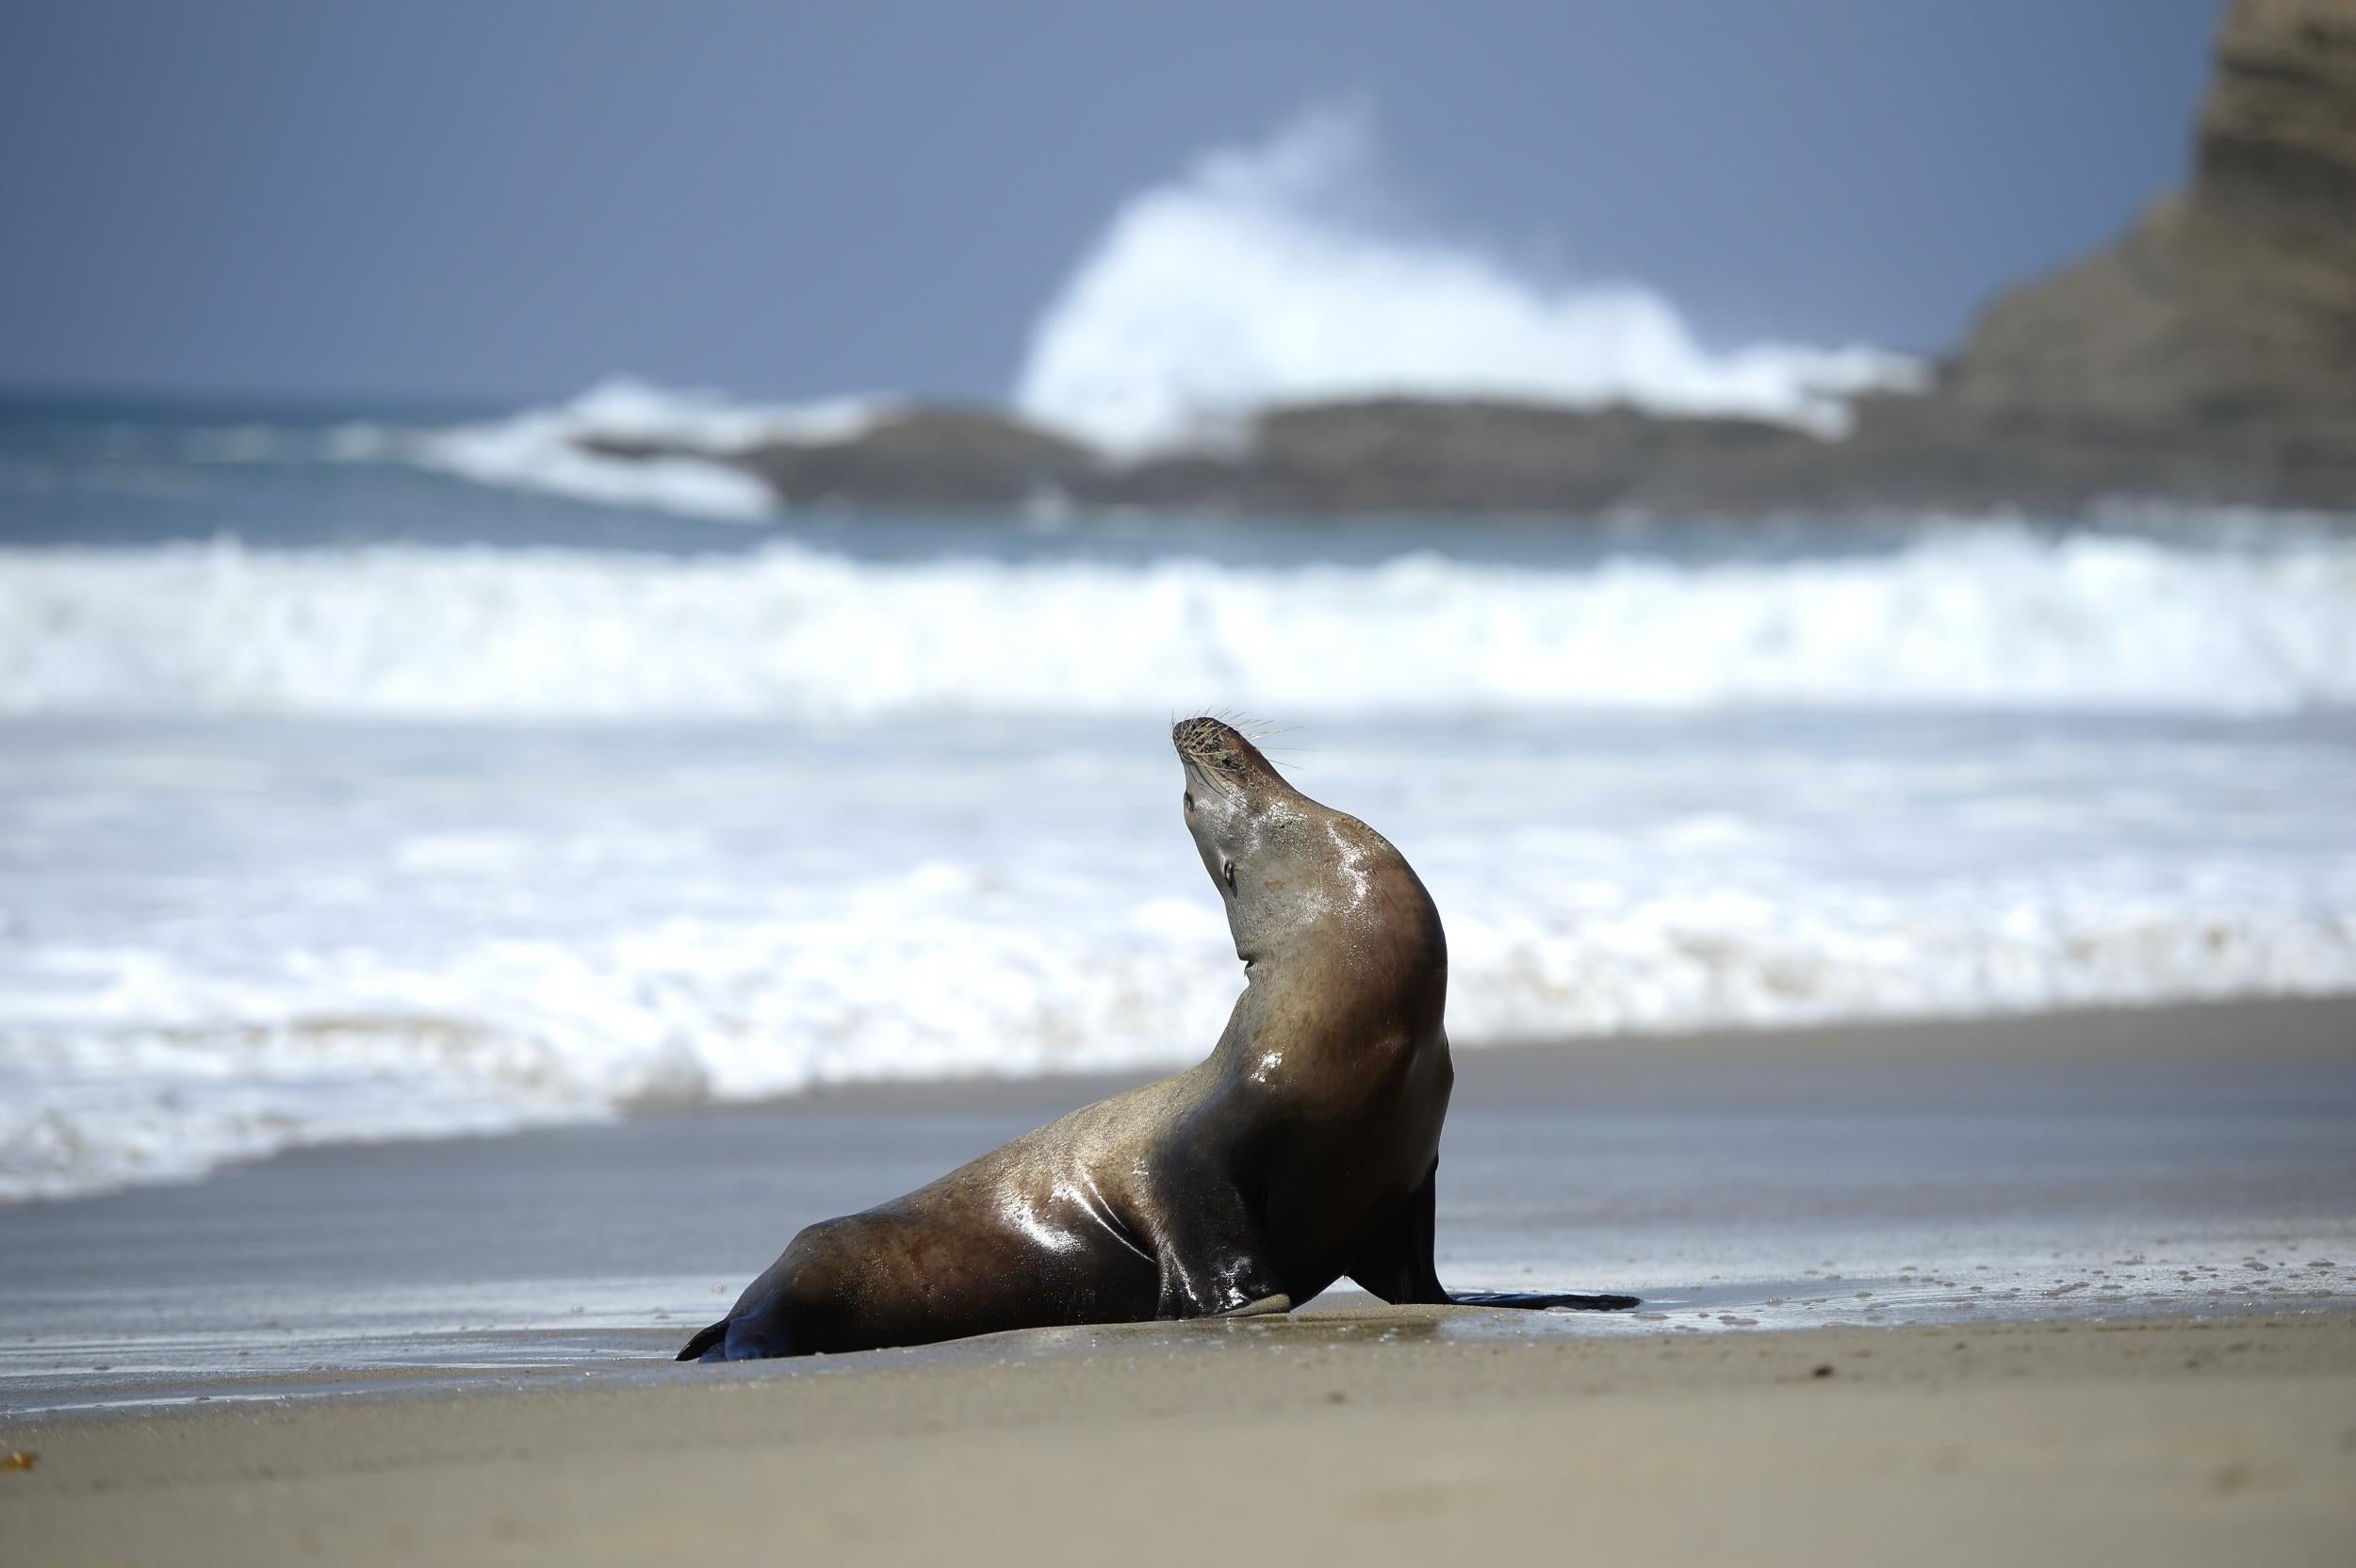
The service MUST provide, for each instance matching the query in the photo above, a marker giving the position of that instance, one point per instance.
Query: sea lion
(1304, 1149)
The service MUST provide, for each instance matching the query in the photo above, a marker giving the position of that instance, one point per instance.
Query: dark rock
(920, 457)
(1398, 454)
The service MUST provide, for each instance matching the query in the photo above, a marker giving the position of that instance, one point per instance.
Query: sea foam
(1992, 615)
(544, 450)
(1254, 279)
(230, 937)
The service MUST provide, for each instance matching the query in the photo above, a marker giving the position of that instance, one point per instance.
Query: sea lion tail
(705, 1339)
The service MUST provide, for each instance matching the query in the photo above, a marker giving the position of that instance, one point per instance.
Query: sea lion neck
(1308, 892)
(1260, 841)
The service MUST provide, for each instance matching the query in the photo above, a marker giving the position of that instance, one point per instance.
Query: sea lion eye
(1190, 800)
(1230, 876)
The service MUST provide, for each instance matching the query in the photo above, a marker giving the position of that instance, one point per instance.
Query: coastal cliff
(2206, 357)
(2211, 353)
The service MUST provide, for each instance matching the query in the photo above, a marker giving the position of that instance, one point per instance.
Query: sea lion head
(1294, 874)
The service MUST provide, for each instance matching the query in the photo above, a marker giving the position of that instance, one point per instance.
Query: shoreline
(2177, 1161)
(2275, 1028)
(1386, 1431)
(1953, 1291)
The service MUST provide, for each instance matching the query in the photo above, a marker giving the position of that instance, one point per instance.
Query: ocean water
(367, 775)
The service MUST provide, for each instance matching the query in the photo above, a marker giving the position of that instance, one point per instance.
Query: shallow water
(2096, 1166)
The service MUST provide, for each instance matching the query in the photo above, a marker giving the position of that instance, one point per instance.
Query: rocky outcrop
(2211, 353)
(2209, 357)
(1401, 454)
(919, 457)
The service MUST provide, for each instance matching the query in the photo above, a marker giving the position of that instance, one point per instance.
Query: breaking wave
(1990, 615)
(543, 448)
(1255, 279)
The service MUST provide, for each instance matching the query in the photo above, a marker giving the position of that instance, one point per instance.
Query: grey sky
(508, 198)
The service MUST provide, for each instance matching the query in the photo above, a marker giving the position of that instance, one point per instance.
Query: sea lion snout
(1221, 752)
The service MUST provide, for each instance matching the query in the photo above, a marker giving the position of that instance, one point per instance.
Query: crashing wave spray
(1257, 279)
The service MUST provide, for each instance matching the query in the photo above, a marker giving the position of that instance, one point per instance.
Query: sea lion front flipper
(1218, 1282)
(1215, 1255)
(1396, 1265)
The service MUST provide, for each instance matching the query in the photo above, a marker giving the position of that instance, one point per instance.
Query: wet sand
(2177, 1160)
(1376, 1437)
(2086, 1282)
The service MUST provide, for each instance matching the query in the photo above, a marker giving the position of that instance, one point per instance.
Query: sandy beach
(754, 607)
(2076, 1284)
(1394, 1435)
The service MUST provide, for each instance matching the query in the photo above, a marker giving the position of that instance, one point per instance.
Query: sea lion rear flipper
(1541, 1300)
(705, 1340)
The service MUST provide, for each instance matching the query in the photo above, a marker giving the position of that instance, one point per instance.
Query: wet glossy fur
(1303, 1149)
